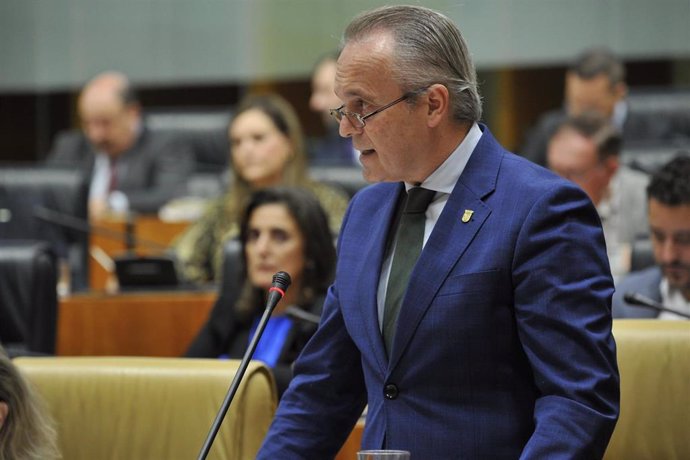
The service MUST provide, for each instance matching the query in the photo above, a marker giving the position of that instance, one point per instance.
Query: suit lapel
(453, 232)
(369, 270)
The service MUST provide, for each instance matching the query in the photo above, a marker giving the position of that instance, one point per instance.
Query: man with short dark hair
(131, 168)
(586, 150)
(471, 307)
(595, 81)
(668, 282)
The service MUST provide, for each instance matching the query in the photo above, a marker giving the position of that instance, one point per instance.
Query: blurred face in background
(260, 151)
(670, 229)
(593, 94)
(323, 97)
(109, 124)
(574, 157)
(274, 243)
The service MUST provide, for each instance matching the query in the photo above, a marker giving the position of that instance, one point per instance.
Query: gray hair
(597, 128)
(429, 49)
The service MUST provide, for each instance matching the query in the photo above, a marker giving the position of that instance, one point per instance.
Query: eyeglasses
(359, 121)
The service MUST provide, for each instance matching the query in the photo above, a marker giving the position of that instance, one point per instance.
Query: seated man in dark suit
(595, 81)
(331, 149)
(131, 168)
(586, 149)
(668, 282)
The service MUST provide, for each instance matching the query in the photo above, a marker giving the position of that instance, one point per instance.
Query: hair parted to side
(285, 119)
(429, 49)
(319, 251)
(670, 185)
(598, 129)
(28, 433)
(598, 61)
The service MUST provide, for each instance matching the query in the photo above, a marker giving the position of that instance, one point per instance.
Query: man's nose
(668, 251)
(346, 128)
(96, 133)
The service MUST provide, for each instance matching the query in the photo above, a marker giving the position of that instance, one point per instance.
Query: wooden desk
(352, 444)
(131, 324)
(146, 228)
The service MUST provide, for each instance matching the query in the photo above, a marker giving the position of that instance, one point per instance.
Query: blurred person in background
(331, 149)
(27, 431)
(667, 282)
(283, 229)
(131, 167)
(596, 81)
(586, 150)
(267, 149)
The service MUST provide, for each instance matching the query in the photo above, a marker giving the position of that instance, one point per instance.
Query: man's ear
(438, 99)
(612, 163)
(620, 90)
(4, 410)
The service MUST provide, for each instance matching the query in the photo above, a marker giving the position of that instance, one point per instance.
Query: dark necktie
(112, 179)
(410, 236)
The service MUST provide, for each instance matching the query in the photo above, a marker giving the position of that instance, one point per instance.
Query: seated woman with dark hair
(26, 430)
(282, 229)
(267, 150)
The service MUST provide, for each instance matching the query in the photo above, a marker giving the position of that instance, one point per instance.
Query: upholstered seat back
(152, 408)
(28, 296)
(48, 204)
(654, 363)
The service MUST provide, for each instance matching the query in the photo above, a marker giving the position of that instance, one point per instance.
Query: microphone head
(281, 280)
(633, 298)
(629, 297)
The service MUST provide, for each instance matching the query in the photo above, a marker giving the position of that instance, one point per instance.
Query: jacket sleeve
(324, 399)
(214, 337)
(563, 289)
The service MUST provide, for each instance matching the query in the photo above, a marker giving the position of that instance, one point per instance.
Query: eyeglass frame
(339, 113)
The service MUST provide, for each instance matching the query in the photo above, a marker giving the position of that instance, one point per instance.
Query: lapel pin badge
(467, 215)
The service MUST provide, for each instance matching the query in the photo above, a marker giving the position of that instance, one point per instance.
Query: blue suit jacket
(503, 346)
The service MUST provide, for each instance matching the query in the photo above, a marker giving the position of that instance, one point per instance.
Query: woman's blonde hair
(28, 432)
(284, 118)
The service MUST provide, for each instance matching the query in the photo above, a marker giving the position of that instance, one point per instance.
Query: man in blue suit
(502, 347)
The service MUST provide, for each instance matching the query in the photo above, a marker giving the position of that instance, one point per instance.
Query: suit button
(390, 391)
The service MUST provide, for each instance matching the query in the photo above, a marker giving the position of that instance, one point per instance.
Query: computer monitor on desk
(145, 272)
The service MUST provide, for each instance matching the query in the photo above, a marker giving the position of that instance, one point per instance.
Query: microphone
(132, 270)
(633, 298)
(281, 281)
(302, 315)
(81, 225)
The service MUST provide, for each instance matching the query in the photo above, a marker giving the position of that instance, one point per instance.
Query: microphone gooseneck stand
(633, 298)
(281, 281)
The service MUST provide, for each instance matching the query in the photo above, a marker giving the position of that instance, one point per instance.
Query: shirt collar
(620, 112)
(444, 178)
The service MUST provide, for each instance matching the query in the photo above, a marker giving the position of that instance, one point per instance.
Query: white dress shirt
(442, 181)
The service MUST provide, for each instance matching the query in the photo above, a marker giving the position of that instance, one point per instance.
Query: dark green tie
(410, 236)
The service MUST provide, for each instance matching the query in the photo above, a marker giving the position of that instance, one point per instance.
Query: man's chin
(677, 279)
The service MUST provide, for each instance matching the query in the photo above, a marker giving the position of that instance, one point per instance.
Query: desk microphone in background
(281, 281)
(301, 315)
(84, 226)
(633, 298)
(132, 270)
